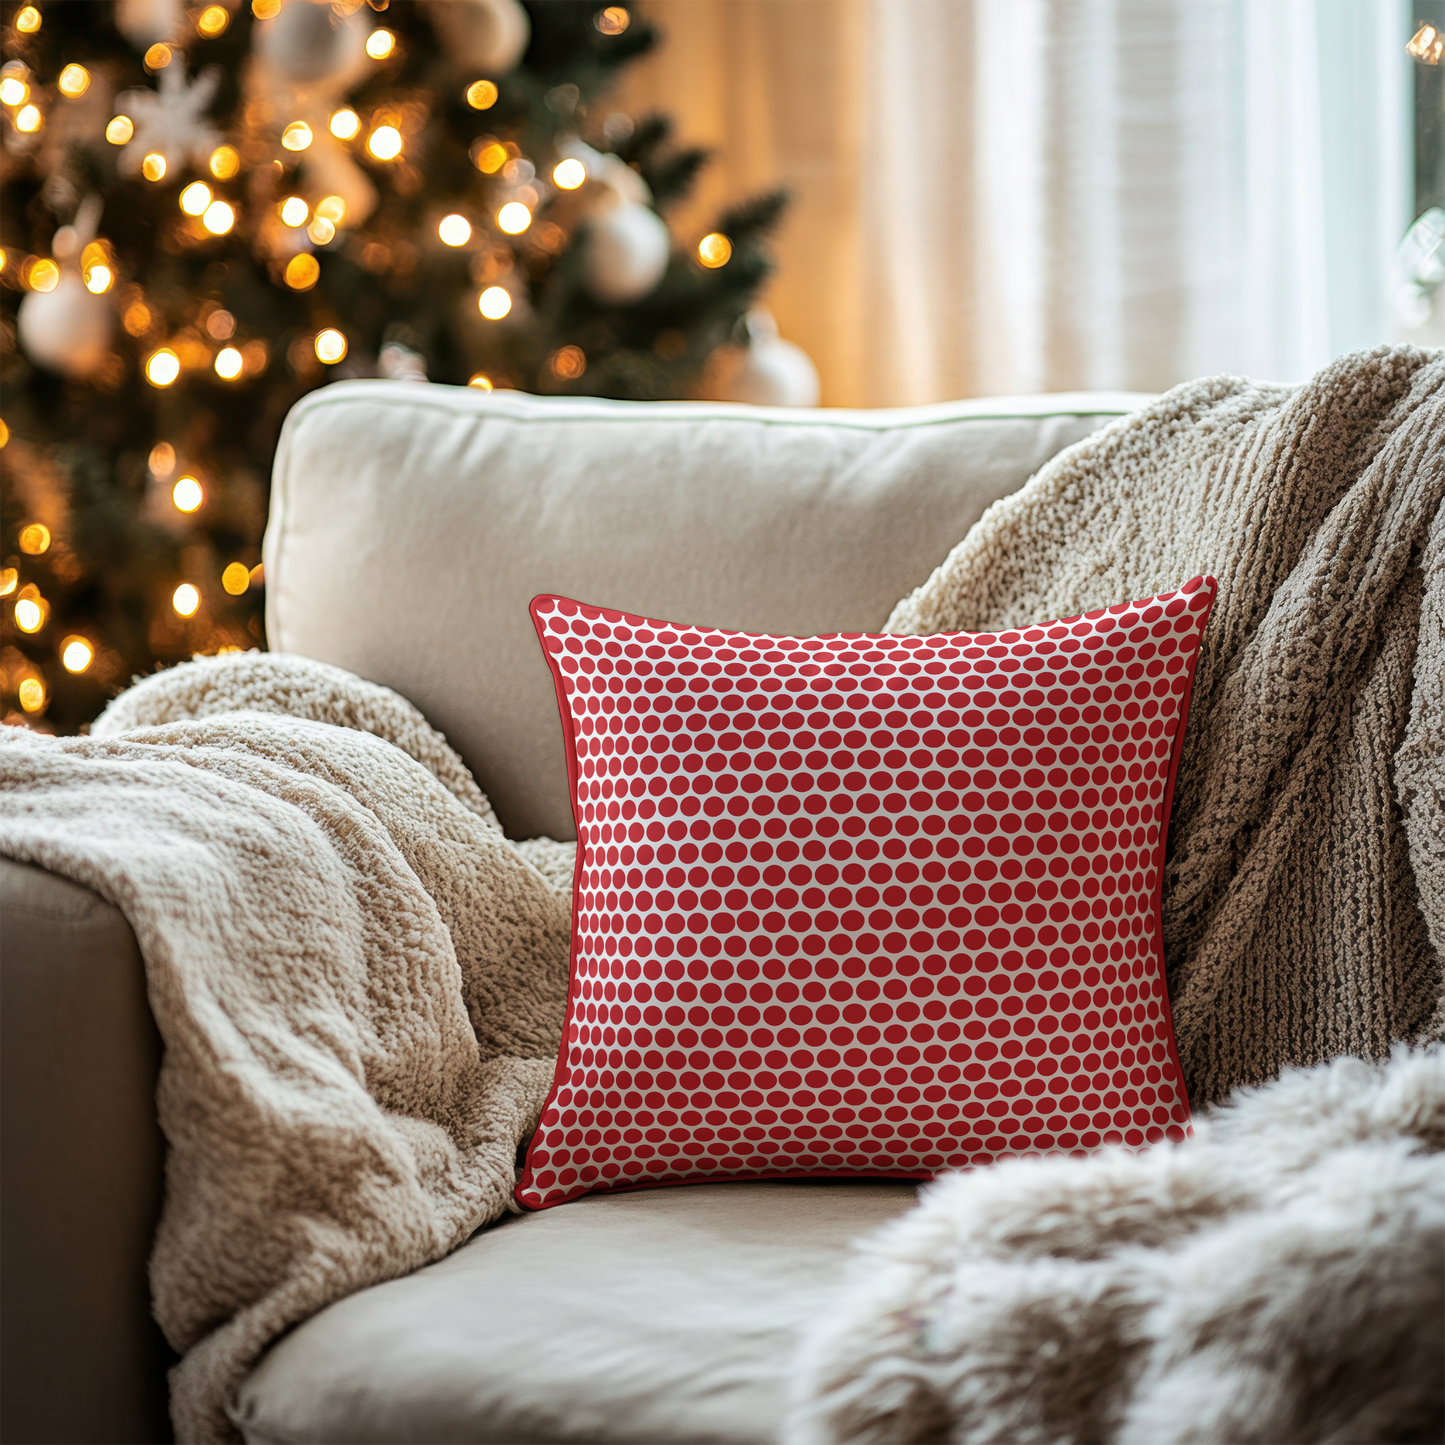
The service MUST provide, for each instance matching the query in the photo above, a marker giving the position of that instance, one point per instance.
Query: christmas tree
(209, 210)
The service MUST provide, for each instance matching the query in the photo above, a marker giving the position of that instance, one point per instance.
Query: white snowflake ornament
(170, 121)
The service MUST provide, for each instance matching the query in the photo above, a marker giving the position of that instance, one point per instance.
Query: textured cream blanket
(358, 980)
(1304, 894)
(1282, 1275)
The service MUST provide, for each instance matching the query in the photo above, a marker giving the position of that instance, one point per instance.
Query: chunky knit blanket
(1281, 1276)
(1304, 892)
(359, 983)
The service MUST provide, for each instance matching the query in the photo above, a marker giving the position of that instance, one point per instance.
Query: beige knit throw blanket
(358, 980)
(1304, 892)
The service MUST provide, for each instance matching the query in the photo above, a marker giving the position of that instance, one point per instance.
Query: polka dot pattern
(863, 904)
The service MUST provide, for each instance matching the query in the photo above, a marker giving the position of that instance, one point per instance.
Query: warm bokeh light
(219, 218)
(714, 250)
(13, 90)
(266, 9)
(1427, 44)
(613, 20)
(380, 43)
(137, 319)
(27, 22)
(163, 367)
(30, 614)
(384, 143)
(296, 136)
(330, 346)
(35, 539)
(4, 435)
(9, 580)
(514, 218)
(31, 693)
(185, 599)
(220, 325)
(229, 363)
(568, 363)
(158, 56)
(195, 198)
(294, 211)
(303, 271)
(29, 119)
(44, 275)
(225, 162)
(480, 380)
(212, 21)
(236, 578)
(455, 230)
(187, 494)
(481, 95)
(569, 174)
(74, 81)
(76, 654)
(162, 459)
(120, 130)
(153, 167)
(98, 279)
(331, 208)
(321, 231)
(345, 123)
(491, 158)
(258, 575)
(494, 302)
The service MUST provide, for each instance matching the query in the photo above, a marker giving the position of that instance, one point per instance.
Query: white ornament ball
(308, 45)
(145, 22)
(773, 372)
(482, 35)
(627, 252)
(68, 329)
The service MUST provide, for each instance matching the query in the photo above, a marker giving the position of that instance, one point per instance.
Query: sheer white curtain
(1025, 195)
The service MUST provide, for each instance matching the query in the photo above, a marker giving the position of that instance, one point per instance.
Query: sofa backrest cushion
(412, 524)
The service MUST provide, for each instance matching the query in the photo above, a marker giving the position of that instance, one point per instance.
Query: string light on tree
(34, 539)
(380, 44)
(27, 22)
(31, 693)
(384, 143)
(73, 82)
(569, 174)
(236, 579)
(345, 124)
(495, 302)
(294, 211)
(76, 654)
(185, 600)
(454, 230)
(219, 217)
(714, 250)
(213, 20)
(195, 198)
(163, 366)
(224, 162)
(303, 271)
(514, 218)
(297, 136)
(29, 119)
(154, 167)
(187, 494)
(229, 363)
(482, 95)
(330, 346)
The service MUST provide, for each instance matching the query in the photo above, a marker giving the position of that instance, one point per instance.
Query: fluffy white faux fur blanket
(1280, 1277)
(359, 983)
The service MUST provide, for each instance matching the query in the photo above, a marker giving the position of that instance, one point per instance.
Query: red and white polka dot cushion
(863, 905)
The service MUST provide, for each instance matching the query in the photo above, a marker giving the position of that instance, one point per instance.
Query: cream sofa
(410, 526)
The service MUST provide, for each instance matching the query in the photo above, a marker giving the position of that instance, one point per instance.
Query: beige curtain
(1001, 196)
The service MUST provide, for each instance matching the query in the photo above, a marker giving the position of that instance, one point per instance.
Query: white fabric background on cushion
(1000, 196)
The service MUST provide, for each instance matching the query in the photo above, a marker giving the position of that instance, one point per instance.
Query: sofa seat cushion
(652, 1318)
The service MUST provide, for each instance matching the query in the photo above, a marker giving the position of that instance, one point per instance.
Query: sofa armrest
(80, 1357)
